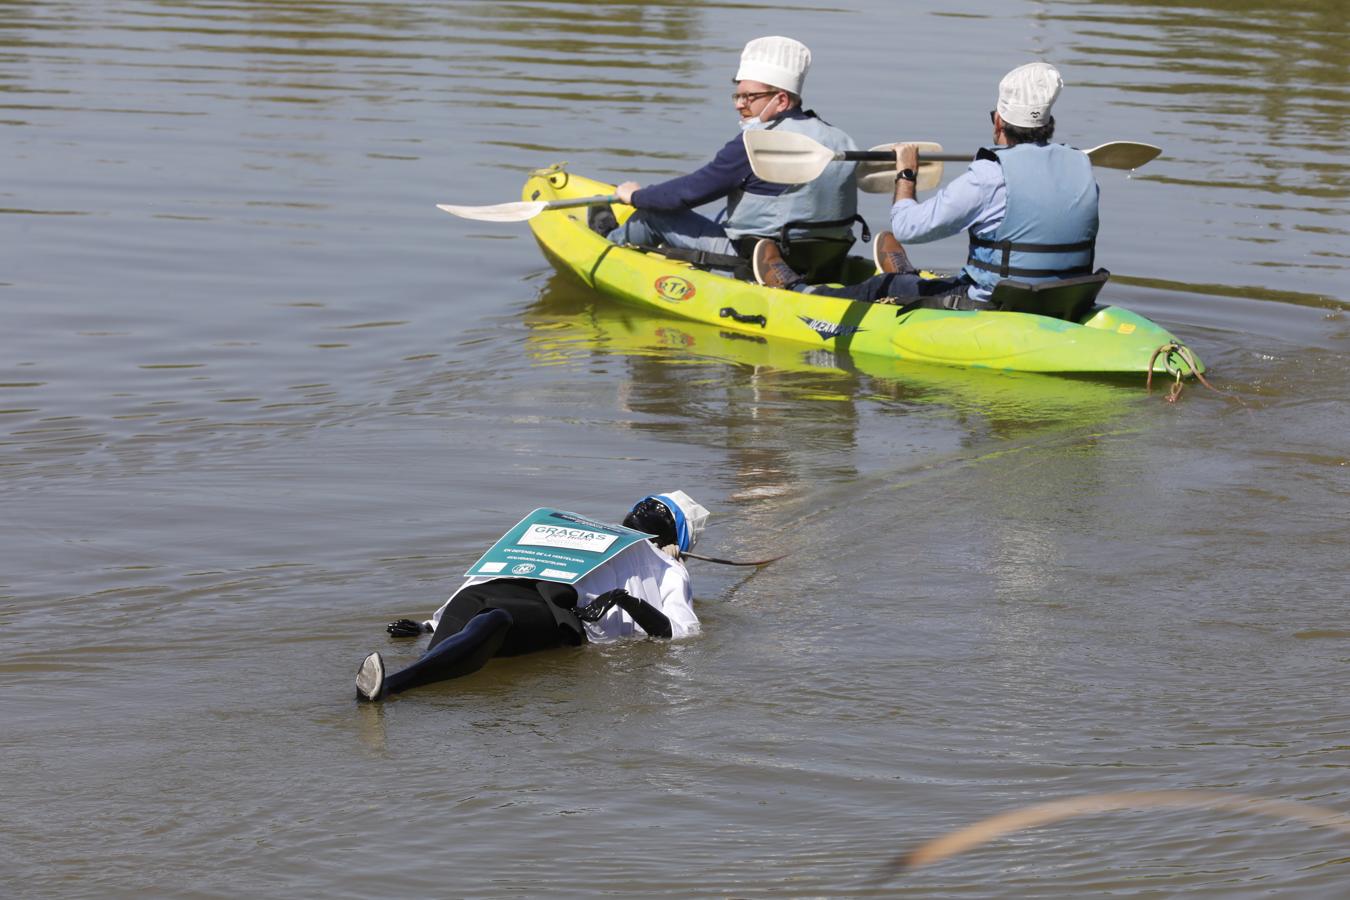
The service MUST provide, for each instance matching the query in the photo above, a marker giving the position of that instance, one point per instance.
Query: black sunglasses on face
(738, 99)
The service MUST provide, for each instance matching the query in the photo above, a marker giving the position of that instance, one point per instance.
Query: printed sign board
(553, 545)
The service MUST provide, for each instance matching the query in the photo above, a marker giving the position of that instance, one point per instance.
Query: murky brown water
(258, 397)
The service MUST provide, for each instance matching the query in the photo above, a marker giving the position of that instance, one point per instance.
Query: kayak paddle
(879, 177)
(523, 210)
(785, 157)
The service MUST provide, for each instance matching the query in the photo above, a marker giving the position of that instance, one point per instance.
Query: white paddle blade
(502, 212)
(879, 177)
(785, 157)
(1122, 154)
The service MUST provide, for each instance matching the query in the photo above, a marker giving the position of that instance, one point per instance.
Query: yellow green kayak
(1111, 340)
(565, 326)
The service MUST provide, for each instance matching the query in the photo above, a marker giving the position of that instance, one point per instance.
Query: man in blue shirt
(1029, 206)
(768, 95)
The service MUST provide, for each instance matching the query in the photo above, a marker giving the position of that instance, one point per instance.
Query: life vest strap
(785, 242)
(1007, 248)
(1006, 271)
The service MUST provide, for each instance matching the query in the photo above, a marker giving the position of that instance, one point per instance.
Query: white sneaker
(370, 678)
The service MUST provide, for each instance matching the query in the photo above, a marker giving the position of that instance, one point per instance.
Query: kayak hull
(1112, 340)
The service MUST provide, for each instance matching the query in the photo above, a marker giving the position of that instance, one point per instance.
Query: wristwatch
(907, 174)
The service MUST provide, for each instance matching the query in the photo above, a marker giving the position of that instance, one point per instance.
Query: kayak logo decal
(674, 288)
(828, 330)
(674, 338)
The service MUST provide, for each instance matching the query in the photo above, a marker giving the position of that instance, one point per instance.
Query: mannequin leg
(466, 651)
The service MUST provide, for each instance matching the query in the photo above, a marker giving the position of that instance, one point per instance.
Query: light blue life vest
(830, 202)
(1050, 228)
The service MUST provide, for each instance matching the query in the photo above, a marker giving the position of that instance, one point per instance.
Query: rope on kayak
(1166, 351)
(1191, 367)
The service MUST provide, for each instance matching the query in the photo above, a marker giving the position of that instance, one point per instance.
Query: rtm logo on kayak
(674, 288)
(828, 330)
(674, 338)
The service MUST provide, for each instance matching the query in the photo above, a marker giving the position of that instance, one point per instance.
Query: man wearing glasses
(768, 95)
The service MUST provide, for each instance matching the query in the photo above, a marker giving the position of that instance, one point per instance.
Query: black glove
(648, 617)
(596, 609)
(405, 628)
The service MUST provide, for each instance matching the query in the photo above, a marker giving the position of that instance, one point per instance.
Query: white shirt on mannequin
(643, 571)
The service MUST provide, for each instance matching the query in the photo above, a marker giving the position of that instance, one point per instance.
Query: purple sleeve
(729, 171)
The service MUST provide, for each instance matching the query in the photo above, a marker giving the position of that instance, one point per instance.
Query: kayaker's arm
(906, 176)
(625, 191)
(729, 171)
(976, 198)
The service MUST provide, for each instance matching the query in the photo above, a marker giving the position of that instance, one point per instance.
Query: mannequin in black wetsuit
(512, 616)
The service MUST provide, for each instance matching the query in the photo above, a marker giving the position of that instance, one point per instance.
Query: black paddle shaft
(889, 156)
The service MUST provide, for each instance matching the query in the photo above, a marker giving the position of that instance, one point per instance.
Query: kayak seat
(1067, 298)
(819, 261)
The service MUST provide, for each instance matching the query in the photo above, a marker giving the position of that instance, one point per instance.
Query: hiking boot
(601, 220)
(890, 256)
(370, 678)
(770, 270)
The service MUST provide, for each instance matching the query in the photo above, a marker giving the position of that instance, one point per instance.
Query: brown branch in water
(995, 826)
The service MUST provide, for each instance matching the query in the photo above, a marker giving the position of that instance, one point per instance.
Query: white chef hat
(1026, 94)
(776, 61)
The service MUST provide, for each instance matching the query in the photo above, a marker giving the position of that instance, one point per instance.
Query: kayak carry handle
(727, 312)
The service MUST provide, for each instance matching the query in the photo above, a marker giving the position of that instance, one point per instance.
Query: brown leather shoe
(770, 270)
(890, 255)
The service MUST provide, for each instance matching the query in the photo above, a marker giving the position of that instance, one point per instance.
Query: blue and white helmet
(673, 517)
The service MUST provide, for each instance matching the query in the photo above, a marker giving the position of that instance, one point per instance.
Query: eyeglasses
(738, 99)
(992, 113)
